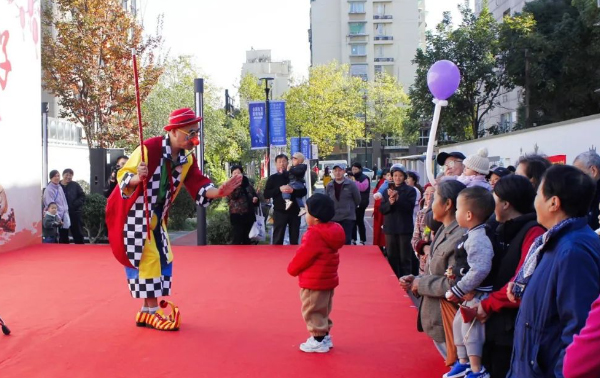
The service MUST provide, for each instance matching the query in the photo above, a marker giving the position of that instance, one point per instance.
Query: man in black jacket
(276, 185)
(75, 199)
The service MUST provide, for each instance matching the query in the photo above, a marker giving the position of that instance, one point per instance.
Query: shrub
(183, 208)
(94, 217)
(218, 227)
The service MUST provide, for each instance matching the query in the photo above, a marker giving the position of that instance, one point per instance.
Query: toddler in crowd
(297, 181)
(316, 264)
(51, 223)
(474, 255)
(477, 167)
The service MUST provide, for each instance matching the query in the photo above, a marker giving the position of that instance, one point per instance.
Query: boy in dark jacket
(51, 223)
(316, 263)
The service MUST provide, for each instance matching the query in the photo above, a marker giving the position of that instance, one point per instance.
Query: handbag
(258, 231)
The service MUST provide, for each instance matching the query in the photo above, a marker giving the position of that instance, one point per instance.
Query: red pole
(139, 117)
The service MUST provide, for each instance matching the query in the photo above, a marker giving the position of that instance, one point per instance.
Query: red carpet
(71, 316)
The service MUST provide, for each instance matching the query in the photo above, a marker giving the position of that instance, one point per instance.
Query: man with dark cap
(346, 198)
(451, 162)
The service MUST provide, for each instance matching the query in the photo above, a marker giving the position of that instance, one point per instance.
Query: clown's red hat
(181, 117)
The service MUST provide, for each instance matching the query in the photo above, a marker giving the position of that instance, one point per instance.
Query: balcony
(382, 17)
(384, 38)
(384, 59)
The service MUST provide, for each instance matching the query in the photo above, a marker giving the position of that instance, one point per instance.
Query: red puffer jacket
(316, 261)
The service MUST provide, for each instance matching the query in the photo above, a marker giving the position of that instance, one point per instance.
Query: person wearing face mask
(138, 233)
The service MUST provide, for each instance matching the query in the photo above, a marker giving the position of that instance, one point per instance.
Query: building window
(362, 143)
(380, 9)
(506, 122)
(393, 142)
(380, 29)
(358, 50)
(379, 51)
(357, 28)
(423, 137)
(378, 69)
(359, 70)
(357, 7)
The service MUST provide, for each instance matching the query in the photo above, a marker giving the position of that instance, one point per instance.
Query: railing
(382, 17)
(384, 38)
(384, 59)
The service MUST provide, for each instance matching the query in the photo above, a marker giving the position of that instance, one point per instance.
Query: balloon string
(432, 138)
(141, 135)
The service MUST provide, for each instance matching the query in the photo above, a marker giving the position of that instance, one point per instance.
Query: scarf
(534, 255)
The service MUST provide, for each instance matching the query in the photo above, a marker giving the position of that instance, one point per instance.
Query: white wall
(20, 122)
(568, 138)
(75, 157)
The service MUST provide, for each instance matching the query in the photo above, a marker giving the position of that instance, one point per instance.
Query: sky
(218, 33)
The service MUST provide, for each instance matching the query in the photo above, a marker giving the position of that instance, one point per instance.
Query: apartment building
(260, 64)
(505, 114)
(370, 35)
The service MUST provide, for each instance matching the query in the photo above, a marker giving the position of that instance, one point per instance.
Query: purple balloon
(443, 79)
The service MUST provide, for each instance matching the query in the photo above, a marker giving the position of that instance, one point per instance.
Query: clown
(168, 165)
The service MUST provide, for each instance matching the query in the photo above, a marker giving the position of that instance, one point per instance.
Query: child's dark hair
(574, 188)
(517, 191)
(480, 202)
(50, 204)
(449, 190)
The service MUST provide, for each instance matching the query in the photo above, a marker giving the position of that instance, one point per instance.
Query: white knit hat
(479, 163)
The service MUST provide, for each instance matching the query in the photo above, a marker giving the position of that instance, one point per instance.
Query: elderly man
(346, 198)
(277, 184)
(138, 239)
(589, 163)
(451, 162)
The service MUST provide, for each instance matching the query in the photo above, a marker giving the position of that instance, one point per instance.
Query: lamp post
(201, 210)
(267, 90)
(366, 159)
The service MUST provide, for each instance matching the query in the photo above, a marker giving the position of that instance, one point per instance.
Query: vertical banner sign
(258, 125)
(277, 123)
(304, 146)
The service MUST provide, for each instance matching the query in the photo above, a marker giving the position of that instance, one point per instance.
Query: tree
(552, 51)
(224, 139)
(386, 106)
(87, 65)
(475, 48)
(326, 107)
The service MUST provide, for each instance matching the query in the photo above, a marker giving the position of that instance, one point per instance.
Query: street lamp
(267, 89)
(366, 158)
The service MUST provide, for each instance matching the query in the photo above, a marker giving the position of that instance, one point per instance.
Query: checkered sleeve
(127, 172)
(201, 199)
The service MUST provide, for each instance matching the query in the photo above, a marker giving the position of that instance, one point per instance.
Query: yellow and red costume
(148, 261)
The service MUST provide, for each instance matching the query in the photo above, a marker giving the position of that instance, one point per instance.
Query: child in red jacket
(316, 264)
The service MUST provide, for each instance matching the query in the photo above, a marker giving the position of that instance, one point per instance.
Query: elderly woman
(433, 284)
(242, 202)
(518, 228)
(54, 193)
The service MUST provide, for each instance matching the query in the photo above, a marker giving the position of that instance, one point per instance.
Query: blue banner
(258, 125)
(277, 123)
(305, 146)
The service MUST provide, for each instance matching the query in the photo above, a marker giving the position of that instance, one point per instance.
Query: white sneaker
(328, 342)
(313, 346)
(288, 204)
(302, 211)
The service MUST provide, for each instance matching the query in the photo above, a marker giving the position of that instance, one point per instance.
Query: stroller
(5, 329)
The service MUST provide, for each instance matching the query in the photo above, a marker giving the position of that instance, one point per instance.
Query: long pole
(201, 210)
(44, 142)
(366, 159)
(141, 135)
(267, 111)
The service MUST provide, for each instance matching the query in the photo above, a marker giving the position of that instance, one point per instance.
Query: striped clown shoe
(160, 322)
(142, 318)
(174, 316)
